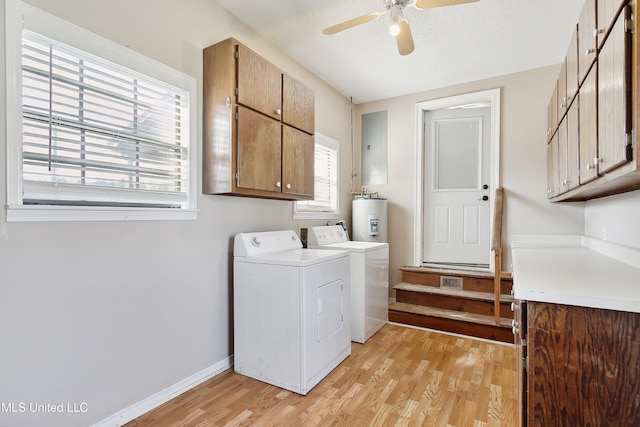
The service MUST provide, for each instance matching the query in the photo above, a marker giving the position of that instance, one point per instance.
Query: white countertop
(576, 270)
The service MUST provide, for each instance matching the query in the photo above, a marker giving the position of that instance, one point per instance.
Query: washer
(291, 310)
(369, 278)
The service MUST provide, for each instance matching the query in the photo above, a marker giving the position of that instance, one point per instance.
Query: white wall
(524, 98)
(109, 313)
(614, 219)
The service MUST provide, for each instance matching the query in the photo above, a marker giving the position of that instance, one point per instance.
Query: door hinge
(235, 54)
(235, 175)
(236, 116)
(628, 24)
(629, 139)
(237, 91)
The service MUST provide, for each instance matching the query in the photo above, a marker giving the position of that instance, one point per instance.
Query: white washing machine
(291, 310)
(369, 278)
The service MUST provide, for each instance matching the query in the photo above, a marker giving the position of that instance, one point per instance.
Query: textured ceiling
(453, 44)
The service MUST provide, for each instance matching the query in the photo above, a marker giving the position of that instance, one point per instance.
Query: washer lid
(294, 258)
(352, 246)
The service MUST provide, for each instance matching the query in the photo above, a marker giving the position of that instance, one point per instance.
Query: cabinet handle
(513, 306)
(278, 184)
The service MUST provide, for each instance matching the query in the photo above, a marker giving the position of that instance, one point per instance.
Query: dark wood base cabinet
(582, 365)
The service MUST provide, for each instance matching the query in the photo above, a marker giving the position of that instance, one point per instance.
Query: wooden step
(475, 325)
(478, 281)
(453, 299)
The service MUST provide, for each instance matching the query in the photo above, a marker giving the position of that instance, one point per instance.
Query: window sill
(316, 215)
(23, 213)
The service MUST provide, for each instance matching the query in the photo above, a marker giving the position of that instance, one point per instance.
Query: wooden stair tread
(449, 314)
(453, 272)
(459, 293)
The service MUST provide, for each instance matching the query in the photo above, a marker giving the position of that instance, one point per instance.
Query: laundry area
(297, 309)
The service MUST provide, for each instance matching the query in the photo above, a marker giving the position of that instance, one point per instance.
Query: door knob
(484, 198)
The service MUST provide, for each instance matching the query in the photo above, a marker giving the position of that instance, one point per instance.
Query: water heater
(369, 221)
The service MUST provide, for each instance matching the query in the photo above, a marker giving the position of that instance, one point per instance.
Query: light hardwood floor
(401, 376)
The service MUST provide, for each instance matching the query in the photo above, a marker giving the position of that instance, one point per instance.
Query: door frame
(490, 97)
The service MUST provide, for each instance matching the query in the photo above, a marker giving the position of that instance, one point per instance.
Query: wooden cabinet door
(588, 130)
(552, 114)
(614, 94)
(572, 179)
(607, 12)
(552, 167)
(583, 366)
(298, 152)
(259, 83)
(561, 161)
(298, 104)
(259, 151)
(562, 90)
(572, 67)
(586, 38)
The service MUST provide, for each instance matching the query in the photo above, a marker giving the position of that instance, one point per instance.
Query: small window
(325, 203)
(95, 134)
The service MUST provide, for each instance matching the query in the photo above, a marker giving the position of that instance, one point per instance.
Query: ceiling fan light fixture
(396, 19)
(394, 29)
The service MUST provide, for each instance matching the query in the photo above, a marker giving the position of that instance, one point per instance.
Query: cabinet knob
(278, 184)
(278, 111)
(597, 160)
(589, 51)
(288, 186)
(597, 31)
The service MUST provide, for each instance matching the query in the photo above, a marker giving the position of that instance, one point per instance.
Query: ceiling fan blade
(352, 23)
(404, 38)
(428, 4)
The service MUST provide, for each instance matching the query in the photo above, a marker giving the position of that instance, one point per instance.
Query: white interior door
(457, 187)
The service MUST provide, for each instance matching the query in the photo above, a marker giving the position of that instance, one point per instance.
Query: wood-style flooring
(400, 377)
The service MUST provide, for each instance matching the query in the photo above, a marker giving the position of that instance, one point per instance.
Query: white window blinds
(97, 133)
(326, 178)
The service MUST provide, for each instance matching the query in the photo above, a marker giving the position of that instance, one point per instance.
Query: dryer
(369, 278)
(291, 310)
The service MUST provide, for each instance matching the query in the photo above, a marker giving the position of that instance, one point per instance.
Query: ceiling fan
(399, 27)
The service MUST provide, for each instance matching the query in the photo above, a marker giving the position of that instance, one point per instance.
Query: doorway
(458, 142)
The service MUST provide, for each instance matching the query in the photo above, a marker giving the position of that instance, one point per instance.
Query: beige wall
(524, 98)
(109, 313)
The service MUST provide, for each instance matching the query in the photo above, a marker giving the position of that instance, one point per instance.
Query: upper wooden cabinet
(259, 85)
(607, 12)
(298, 106)
(258, 127)
(572, 68)
(588, 128)
(608, 112)
(586, 39)
(614, 97)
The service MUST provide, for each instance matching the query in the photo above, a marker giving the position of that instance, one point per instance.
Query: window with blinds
(326, 178)
(96, 133)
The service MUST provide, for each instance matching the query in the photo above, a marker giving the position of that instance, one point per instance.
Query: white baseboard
(142, 407)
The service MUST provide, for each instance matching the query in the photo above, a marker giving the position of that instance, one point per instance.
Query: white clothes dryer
(369, 278)
(291, 310)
